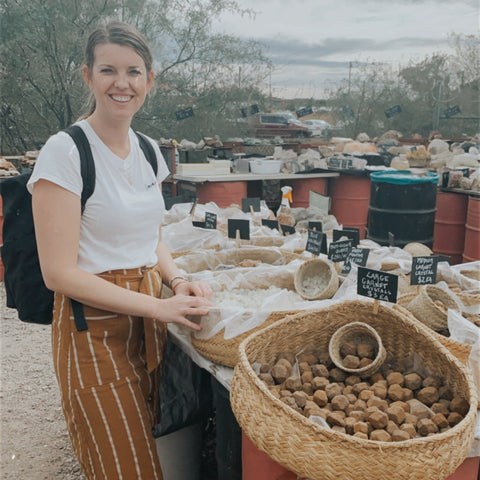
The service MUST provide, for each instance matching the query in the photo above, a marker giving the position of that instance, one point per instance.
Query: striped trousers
(109, 380)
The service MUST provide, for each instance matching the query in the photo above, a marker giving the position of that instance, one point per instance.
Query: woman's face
(118, 80)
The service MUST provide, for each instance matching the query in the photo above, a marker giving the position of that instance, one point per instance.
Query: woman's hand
(196, 289)
(180, 308)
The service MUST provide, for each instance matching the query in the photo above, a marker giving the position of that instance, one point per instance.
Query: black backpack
(24, 285)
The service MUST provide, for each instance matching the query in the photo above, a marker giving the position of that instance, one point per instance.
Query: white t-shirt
(119, 227)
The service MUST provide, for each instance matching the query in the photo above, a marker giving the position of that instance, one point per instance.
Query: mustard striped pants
(109, 380)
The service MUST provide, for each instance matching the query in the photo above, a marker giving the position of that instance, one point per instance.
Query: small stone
(360, 386)
(352, 380)
(459, 405)
(378, 419)
(395, 392)
(379, 389)
(440, 420)
(267, 379)
(380, 436)
(320, 370)
(432, 381)
(410, 429)
(426, 426)
(359, 415)
(396, 414)
(265, 368)
(361, 435)
(351, 361)
(428, 395)
(413, 381)
(280, 373)
(293, 383)
(319, 383)
(395, 378)
(333, 389)
(365, 350)
(300, 398)
(400, 436)
(366, 395)
(307, 376)
(365, 362)
(337, 375)
(348, 348)
(340, 402)
(440, 408)
(307, 388)
(320, 398)
(304, 367)
(334, 418)
(445, 393)
(361, 427)
(349, 424)
(454, 418)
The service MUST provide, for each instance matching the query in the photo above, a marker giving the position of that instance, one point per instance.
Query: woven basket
(316, 279)
(423, 306)
(357, 332)
(318, 453)
(225, 351)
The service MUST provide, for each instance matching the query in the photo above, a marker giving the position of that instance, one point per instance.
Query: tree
(42, 41)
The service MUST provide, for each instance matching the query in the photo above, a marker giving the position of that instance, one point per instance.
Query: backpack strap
(87, 165)
(148, 151)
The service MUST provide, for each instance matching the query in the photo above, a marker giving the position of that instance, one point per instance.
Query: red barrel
(471, 248)
(449, 229)
(301, 190)
(350, 201)
(222, 193)
(258, 465)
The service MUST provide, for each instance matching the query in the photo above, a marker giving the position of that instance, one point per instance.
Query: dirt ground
(33, 437)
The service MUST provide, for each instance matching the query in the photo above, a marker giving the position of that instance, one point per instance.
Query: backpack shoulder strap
(87, 165)
(148, 151)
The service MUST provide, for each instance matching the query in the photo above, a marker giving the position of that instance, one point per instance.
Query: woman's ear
(150, 79)
(86, 75)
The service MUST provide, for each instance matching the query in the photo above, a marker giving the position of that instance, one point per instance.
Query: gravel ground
(34, 440)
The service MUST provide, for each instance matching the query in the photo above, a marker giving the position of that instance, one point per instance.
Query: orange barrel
(258, 465)
(350, 196)
(468, 470)
(471, 247)
(301, 190)
(449, 228)
(222, 193)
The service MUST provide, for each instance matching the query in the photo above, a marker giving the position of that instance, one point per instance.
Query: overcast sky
(312, 42)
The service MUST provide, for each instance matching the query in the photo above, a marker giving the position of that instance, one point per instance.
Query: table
(227, 189)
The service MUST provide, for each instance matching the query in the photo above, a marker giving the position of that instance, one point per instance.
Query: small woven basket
(318, 453)
(316, 279)
(430, 305)
(357, 332)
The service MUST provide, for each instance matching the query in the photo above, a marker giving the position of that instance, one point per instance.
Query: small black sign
(443, 258)
(349, 232)
(287, 229)
(338, 251)
(315, 240)
(358, 256)
(254, 109)
(377, 284)
(424, 270)
(304, 111)
(196, 223)
(244, 112)
(210, 220)
(452, 111)
(392, 111)
(348, 111)
(315, 226)
(242, 226)
(273, 224)
(247, 202)
(185, 113)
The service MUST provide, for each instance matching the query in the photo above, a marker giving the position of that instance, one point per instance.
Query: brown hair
(120, 33)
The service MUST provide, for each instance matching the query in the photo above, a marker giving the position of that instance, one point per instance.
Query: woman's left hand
(196, 289)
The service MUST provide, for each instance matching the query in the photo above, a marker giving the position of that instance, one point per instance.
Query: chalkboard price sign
(424, 270)
(315, 226)
(183, 114)
(452, 111)
(338, 251)
(315, 241)
(358, 256)
(287, 229)
(198, 224)
(377, 284)
(242, 226)
(273, 224)
(349, 232)
(210, 220)
(254, 202)
(443, 258)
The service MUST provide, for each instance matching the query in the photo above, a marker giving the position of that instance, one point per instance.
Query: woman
(111, 259)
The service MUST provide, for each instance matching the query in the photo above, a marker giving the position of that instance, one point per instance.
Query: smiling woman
(106, 264)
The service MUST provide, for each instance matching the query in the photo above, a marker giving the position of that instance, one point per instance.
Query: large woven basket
(318, 453)
(223, 351)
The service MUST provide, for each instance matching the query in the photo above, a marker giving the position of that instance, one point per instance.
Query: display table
(227, 189)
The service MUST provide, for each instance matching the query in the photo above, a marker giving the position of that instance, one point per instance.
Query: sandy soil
(34, 440)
